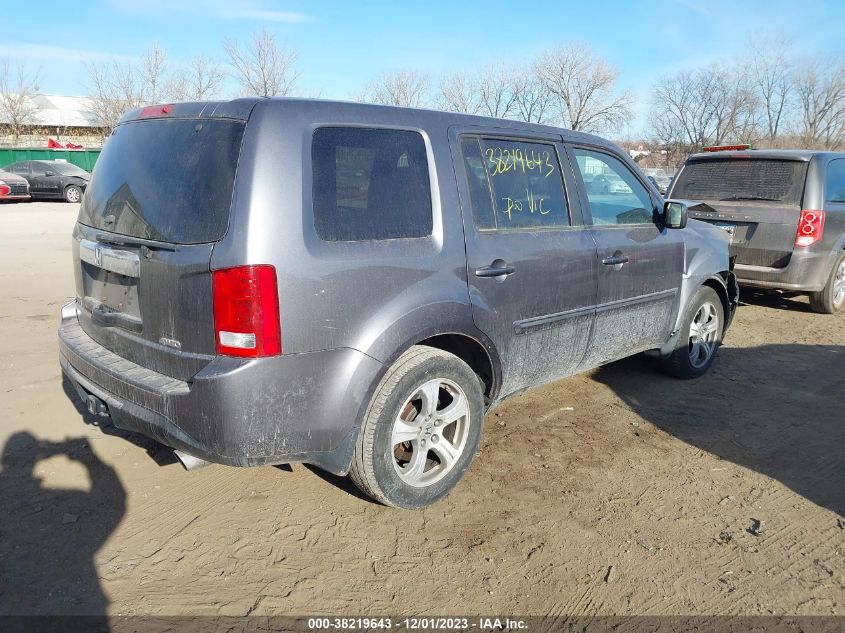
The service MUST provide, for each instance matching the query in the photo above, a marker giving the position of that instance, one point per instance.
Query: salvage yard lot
(661, 480)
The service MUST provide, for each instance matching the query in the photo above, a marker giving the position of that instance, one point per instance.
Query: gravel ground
(620, 491)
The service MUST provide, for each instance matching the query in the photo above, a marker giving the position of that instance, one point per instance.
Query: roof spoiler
(239, 109)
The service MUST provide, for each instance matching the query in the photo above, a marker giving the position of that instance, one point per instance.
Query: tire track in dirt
(621, 467)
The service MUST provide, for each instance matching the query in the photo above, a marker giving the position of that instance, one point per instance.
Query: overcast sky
(342, 45)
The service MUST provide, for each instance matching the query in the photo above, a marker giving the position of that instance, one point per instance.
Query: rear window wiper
(764, 198)
(126, 240)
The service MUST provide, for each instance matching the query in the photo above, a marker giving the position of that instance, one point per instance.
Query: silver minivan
(784, 211)
(266, 281)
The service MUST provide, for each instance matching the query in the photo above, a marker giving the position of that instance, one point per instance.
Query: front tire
(702, 329)
(421, 430)
(73, 194)
(831, 298)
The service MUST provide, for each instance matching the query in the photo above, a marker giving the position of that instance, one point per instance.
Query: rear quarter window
(834, 186)
(370, 184)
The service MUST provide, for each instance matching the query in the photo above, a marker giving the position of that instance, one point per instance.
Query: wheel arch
(473, 353)
(724, 284)
(720, 285)
(464, 341)
(470, 345)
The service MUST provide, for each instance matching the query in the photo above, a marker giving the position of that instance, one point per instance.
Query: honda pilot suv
(785, 212)
(266, 281)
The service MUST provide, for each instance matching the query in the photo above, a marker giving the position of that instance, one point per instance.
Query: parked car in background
(654, 182)
(426, 266)
(608, 183)
(659, 179)
(785, 212)
(13, 187)
(52, 179)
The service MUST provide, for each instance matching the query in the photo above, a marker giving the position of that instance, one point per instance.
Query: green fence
(84, 158)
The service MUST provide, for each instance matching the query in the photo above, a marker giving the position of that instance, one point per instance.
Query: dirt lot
(622, 468)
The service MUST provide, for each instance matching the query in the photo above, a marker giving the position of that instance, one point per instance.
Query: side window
(615, 194)
(370, 184)
(834, 186)
(38, 169)
(514, 184)
(19, 168)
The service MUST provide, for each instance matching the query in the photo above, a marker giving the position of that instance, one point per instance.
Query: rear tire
(73, 194)
(831, 298)
(701, 336)
(421, 430)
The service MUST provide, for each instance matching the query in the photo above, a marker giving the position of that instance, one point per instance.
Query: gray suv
(354, 286)
(785, 212)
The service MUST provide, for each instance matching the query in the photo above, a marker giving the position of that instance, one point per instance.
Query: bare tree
(17, 88)
(488, 91)
(199, 80)
(584, 86)
(703, 106)
(734, 105)
(263, 66)
(113, 87)
(496, 92)
(669, 137)
(117, 86)
(408, 88)
(505, 92)
(820, 87)
(769, 73)
(532, 99)
(458, 93)
(153, 74)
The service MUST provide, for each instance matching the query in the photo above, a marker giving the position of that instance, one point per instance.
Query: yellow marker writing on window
(533, 201)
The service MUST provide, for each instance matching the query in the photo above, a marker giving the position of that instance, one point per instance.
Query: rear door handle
(494, 271)
(615, 260)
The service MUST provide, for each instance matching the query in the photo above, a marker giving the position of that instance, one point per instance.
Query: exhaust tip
(189, 462)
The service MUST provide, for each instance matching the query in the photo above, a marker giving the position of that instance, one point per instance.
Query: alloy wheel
(430, 433)
(839, 285)
(703, 334)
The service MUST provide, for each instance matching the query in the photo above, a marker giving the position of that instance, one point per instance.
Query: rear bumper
(806, 272)
(293, 408)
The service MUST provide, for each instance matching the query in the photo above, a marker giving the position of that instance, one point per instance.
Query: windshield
(165, 179)
(67, 169)
(753, 179)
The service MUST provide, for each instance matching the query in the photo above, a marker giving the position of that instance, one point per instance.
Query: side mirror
(675, 214)
(49, 173)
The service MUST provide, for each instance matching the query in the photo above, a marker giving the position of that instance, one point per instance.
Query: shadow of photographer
(51, 535)
(776, 409)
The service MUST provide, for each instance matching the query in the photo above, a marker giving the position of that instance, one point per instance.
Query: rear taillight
(4, 189)
(246, 311)
(810, 228)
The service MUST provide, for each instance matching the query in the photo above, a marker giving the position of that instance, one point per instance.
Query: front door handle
(496, 269)
(616, 259)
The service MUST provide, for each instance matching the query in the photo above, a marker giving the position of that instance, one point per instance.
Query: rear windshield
(165, 179)
(742, 179)
(69, 169)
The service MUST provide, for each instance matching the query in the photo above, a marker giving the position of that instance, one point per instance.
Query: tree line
(768, 97)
